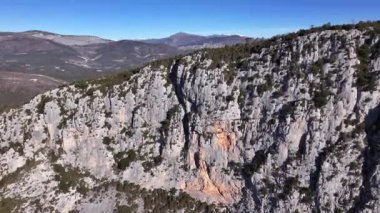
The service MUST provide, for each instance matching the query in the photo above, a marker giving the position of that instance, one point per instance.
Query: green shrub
(166, 63)
(317, 67)
(107, 141)
(123, 160)
(242, 95)
(17, 146)
(90, 92)
(229, 54)
(7, 108)
(41, 105)
(243, 65)
(127, 132)
(277, 94)
(126, 209)
(230, 98)
(105, 83)
(81, 84)
(148, 165)
(69, 178)
(360, 26)
(376, 50)
(159, 200)
(262, 88)
(265, 86)
(320, 98)
(289, 184)
(257, 161)
(354, 165)
(307, 195)
(9, 204)
(229, 75)
(165, 125)
(365, 80)
(16, 175)
(287, 109)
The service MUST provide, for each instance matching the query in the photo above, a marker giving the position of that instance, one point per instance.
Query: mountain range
(69, 58)
(187, 41)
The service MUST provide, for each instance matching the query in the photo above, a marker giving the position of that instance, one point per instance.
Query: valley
(70, 58)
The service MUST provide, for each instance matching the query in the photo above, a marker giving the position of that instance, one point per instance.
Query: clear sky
(137, 19)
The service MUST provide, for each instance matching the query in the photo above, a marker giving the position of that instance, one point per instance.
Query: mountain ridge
(74, 57)
(189, 41)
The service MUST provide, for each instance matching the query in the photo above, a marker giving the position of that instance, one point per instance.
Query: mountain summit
(70, 40)
(191, 41)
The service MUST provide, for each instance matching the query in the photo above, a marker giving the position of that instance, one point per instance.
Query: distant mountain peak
(183, 35)
(31, 32)
(65, 39)
(180, 34)
(185, 40)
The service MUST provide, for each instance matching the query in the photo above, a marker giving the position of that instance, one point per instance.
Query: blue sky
(137, 19)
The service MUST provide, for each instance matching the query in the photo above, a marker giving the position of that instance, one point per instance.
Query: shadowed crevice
(178, 84)
(371, 155)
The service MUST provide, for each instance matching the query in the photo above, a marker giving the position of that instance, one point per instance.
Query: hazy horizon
(39, 30)
(143, 19)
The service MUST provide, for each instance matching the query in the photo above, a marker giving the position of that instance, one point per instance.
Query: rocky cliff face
(288, 125)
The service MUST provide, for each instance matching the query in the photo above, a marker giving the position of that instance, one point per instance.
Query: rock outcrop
(289, 124)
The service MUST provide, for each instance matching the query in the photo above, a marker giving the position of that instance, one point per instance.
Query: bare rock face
(289, 125)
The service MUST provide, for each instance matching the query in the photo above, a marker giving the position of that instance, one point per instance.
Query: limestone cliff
(287, 124)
